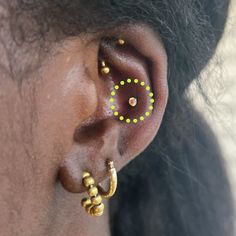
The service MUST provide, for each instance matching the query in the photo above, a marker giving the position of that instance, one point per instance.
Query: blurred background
(219, 83)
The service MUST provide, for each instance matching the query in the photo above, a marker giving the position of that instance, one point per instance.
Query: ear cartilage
(133, 101)
(121, 41)
(105, 70)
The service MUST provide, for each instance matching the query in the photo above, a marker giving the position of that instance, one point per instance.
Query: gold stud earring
(133, 101)
(105, 70)
(93, 205)
(121, 41)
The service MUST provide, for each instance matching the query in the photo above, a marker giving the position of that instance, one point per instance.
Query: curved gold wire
(112, 182)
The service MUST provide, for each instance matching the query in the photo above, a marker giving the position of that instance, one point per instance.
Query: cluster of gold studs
(105, 70)
(132, 101)
(93, 205)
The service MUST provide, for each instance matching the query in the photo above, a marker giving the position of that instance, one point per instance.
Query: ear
(107, 125)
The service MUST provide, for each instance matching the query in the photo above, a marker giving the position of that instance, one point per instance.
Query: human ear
(112, 128)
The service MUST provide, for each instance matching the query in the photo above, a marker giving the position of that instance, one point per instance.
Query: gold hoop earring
(112, 182)
(93, 204)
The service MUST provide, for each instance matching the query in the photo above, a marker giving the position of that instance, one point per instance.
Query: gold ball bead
(105, 70)
(97, 210)
(133, 101)
(86, 202)
(96, 200)
(93, 191)
(121, 41)
(86, 174)
(89, 208)
(87, 181)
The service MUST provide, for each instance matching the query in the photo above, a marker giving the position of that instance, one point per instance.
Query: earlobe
(132, 94)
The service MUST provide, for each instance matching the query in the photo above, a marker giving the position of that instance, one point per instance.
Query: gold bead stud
(105, 70)
(133, 101)
(121, 41)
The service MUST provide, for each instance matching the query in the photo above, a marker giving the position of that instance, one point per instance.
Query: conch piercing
(105, 70)
(133, 102)
(93, 205)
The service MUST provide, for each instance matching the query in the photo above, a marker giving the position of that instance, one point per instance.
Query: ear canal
(105, 70)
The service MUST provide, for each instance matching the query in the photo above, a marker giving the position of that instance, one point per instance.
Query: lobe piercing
(105, 70)
(93, 204)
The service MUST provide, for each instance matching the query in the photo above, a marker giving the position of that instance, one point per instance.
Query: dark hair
(178, 186)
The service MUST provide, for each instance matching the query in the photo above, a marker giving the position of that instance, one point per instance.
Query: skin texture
(57, 123)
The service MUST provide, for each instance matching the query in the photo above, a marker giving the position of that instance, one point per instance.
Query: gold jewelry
(121, 41)
(105, 70)
(93, 205)
(112, 182)
(133, 101)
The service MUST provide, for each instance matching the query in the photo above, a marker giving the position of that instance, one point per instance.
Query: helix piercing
(93, 204)
(105, 70)
(121, 41)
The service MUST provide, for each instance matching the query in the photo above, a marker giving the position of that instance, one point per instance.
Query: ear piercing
(133, 102)
(121, 41)
(93, 205)
(105, 70)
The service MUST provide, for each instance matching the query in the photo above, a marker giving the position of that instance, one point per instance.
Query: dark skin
(60, 123)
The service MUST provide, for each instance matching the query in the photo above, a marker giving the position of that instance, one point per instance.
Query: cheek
(67, 98)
